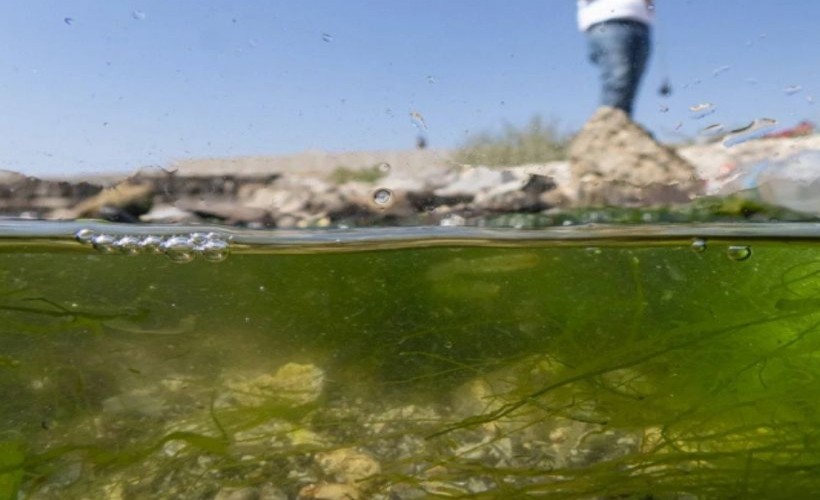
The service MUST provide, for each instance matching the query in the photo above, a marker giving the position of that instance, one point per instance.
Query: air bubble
(215, 250)
(152, 244)
(103, 243)
(84, 236)
(382, 196)
(128, 245)
(698, 245)
(739, 252)
(199, 239)
(179, 249)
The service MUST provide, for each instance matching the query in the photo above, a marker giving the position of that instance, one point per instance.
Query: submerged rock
(266, 492)
(246, 493)
(615, 162)
(348, 465)
(329, 491)
(293, 383)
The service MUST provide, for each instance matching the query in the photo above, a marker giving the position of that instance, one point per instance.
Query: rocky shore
(612, 162)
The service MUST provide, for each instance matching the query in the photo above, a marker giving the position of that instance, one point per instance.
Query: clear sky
(111, 85)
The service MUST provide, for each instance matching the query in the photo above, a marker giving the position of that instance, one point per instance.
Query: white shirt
(597, 11)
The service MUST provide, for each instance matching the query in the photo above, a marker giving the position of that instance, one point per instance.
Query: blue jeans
(620, 49)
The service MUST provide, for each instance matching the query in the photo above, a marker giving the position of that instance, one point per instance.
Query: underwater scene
(595, 362)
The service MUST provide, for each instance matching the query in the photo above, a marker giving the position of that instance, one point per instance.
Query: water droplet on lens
(103, 243)
(739, 252)
(215, 250)
(84, 236)
(382, 196)
(714, 129)
(755, 129)
(702, 110)
(129, 245)
(700, 107)
(793, 89)
(384, 168)
(152, 244)
(418, 120)
(179, 249)
(720, 70)
(698, 245)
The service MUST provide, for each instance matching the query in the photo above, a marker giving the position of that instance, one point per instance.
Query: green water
(566, 363)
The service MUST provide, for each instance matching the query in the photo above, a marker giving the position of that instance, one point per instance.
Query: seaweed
(567, 371)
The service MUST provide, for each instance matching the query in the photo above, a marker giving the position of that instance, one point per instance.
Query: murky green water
(568, 363)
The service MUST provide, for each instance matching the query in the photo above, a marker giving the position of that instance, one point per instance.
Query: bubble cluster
(179, 248)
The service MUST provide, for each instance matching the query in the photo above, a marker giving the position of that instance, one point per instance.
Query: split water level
(582, 362)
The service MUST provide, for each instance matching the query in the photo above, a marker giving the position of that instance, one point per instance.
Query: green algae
(568, 370)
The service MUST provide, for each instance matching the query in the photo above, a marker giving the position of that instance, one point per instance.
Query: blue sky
(96, 86)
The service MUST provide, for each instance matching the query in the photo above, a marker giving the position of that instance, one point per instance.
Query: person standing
(619, 36)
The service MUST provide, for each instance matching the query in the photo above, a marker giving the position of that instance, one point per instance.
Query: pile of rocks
(613, 162)
(286, 434)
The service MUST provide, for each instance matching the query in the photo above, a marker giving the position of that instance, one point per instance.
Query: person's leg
(620, 50)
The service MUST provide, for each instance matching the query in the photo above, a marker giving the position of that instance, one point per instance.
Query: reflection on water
(411, 363)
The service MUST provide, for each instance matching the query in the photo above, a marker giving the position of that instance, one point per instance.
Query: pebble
(329, 491)
(293, 383)
(348, 465)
